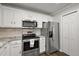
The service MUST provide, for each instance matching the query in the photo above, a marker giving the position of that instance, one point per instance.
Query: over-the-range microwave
(27, 23)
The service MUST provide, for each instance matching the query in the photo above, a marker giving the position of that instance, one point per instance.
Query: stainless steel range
(30, 44)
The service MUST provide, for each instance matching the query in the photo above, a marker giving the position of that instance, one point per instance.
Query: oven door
(26, 45)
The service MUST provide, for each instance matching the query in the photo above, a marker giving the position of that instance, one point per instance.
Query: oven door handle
(25, 40)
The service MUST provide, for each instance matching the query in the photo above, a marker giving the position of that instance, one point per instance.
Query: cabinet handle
(14, 22)
(11, 22)
(20, 52)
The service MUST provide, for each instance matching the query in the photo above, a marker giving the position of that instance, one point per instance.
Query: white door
(70, 34)
(77, 34)
(65, 35)
(74, 41)
(73, 33)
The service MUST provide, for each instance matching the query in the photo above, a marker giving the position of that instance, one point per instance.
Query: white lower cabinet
(11, 49)
(4, 51)
(15, 48)
(42, 44)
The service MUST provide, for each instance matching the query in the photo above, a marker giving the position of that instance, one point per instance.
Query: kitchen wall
(58, 18)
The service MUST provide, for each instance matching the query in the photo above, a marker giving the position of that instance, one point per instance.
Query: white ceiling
(47, 8)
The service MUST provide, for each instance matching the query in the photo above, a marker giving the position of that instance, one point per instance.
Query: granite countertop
(5, 40)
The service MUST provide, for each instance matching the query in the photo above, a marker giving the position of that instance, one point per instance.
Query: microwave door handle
(36, 24)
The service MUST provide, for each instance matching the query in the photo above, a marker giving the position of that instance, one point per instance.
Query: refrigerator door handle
(53, 33)
(50, 34)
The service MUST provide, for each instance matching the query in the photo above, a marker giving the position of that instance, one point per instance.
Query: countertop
(5, 40)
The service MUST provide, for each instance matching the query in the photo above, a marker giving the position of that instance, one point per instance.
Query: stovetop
(29, 36)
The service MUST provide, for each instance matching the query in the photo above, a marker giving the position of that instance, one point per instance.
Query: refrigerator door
(45, 32)
(51, 32)
(54, 40)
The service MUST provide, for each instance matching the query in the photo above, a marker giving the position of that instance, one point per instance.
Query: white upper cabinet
(11, 17)
(39, 24)
(8, 16)
(0, 16)
(18, 18)
(38, 19)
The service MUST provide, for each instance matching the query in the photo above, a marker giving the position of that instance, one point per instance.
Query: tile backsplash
(17, 32)
(10, 32)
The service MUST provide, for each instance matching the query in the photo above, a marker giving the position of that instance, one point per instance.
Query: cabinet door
(42, 44)
(39, 24)
(18, 19)
(15, 50)
(8, 16)
(0, 16)
(4, 51)
(66, 36)
(38, 19)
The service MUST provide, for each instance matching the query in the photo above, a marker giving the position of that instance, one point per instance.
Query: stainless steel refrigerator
(51, 32)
